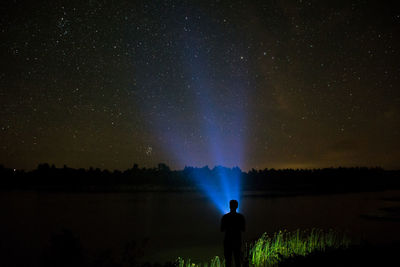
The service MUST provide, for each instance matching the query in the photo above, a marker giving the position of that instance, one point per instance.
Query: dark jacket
(233, 224)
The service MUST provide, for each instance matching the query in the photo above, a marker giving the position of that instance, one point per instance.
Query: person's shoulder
(228, 215)
(240, 215)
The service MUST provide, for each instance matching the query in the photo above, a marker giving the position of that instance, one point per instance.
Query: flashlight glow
(220, 184)
(204, 121)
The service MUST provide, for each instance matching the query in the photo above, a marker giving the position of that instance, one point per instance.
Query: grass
(270, 250)
(215, 262)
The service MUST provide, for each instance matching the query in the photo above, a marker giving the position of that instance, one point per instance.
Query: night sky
(254, 84)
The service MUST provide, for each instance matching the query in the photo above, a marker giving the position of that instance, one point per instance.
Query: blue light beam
(220, 184)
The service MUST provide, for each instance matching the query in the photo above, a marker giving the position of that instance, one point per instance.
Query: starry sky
(254, 84)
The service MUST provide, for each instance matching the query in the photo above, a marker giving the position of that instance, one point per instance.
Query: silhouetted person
(233, 224)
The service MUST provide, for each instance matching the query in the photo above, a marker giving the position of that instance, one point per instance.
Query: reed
(270, 250)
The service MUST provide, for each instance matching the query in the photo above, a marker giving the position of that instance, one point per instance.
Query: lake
(179, 224)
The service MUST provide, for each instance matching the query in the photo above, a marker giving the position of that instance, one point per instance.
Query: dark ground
(361, 255)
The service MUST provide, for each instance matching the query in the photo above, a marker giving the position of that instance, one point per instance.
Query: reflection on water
(391, 213)
(180, 224)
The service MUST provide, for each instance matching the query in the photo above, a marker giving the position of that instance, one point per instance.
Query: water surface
(180, 224)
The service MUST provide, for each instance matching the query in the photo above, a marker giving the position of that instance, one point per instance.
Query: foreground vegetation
(283, 245)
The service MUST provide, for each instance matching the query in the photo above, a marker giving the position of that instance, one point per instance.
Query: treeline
(48, 177)
(354, 179)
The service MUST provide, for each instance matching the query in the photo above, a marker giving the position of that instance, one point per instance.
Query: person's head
(233, 204)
